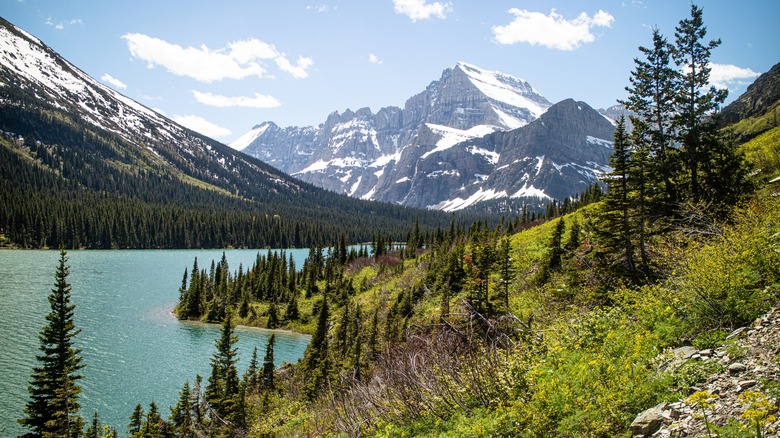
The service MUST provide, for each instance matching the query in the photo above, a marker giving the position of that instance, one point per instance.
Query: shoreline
(285, 330)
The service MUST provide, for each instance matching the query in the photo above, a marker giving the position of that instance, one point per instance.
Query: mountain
(453, 145)
(70, 142)
(756, 110)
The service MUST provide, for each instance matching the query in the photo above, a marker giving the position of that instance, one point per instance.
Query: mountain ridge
(353, 153)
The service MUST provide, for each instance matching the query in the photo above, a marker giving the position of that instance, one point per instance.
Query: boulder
(648, 421)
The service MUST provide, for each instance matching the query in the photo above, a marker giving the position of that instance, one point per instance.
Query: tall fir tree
(53, 406)
(222, 391)
(616, 233)
(651, 99)
(268, 370)
(695, 100)
(136, 421)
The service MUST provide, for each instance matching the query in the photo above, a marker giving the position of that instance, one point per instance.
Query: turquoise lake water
(134, 349)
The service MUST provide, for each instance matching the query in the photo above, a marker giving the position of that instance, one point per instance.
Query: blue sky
(223, 67)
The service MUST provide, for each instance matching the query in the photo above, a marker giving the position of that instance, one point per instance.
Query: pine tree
(695, 100)
(555, 252)
(53, 406)
(223, 386)
(154, 425)
(136, 421)
(651, 98)
(95, 429)
(616, 230)
(181, 419)
(317, 348)
(267, 378)
(250, 377)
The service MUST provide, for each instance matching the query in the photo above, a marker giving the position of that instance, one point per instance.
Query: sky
(221, 68)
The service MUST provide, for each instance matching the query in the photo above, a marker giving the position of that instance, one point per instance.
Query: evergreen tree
(555, 252)
(154, 425)
(292, 313)
(273, 316)
(616, 230)
(317, 348)
(267, 378)
(695, 101)
(95, 429)
(136, 421)
(250, 378)
(223, 387)
(53, 406)
(316, 365)
(181, 419)
(651, 98)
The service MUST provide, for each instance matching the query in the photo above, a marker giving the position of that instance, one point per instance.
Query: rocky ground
(744, 388)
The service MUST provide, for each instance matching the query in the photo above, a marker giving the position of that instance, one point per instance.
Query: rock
(747, 383)
(736, 333)
(737, 368)
(648, 421)
(683, 352)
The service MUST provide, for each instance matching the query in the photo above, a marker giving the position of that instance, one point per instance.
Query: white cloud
(374, 59)
(722, 75)
(298, 71)
(420, 10)
(319, 8)
(110, 80)
(201, 125)
(551, 31)
(238, 61)
(61, 25)
(258, 101)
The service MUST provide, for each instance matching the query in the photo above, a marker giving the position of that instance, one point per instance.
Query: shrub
(729, 280)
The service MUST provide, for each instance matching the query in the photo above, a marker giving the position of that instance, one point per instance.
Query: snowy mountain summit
(438, 151)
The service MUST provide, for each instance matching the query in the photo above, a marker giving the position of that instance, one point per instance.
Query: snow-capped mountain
(360, 153)
(32, 75)
(440, 151)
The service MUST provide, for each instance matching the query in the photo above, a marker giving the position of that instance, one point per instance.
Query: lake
(134, 349)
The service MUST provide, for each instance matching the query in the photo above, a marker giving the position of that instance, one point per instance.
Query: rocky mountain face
(759, 97)
(472, 135)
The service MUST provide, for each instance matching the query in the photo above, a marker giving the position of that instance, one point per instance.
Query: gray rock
(736, 333)
(737, 368)
(648, 421)
(684, 352)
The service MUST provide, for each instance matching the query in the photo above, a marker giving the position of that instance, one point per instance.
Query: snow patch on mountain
(460, 203)
(491, 156)
(503, 88)
(529, 191)
(245, 140)
(599, 142)
(451, 136)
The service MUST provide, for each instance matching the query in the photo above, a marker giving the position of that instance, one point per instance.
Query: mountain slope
(75, 140)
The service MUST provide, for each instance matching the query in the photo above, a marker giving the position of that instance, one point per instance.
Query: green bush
(729, 280)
